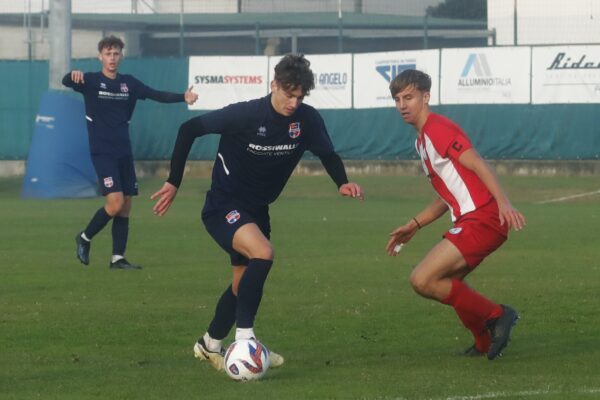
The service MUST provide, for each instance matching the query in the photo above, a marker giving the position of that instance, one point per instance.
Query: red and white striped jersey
(440, 144)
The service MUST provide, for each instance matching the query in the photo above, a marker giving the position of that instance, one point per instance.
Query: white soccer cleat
(276, 359)
(216, 358)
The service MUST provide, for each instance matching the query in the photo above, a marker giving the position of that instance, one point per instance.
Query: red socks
(473, 310)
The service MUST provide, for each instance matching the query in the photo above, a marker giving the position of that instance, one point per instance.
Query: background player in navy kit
(261, 143)
(110, 99)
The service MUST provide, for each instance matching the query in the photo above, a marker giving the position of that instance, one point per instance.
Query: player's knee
(264, 252)
(234, 288)
(114, 206)
(420, 284)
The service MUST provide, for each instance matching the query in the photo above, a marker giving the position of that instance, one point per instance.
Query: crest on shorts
(108, 182)
(455, 231)
(124, 88)
(294, 130)
(232, 217)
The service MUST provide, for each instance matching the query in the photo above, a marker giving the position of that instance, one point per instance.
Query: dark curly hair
(408, 77)
(110, 41)
(293, 71)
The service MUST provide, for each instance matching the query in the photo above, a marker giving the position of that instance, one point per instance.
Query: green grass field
(341, 312)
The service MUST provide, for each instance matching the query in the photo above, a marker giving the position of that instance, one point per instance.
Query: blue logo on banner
(390, 71)
(479, 63)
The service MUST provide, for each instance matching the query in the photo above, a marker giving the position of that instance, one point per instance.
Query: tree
(461, 9)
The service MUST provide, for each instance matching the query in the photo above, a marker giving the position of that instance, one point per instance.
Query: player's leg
(120, 225)
(107, 172)
(481, 335)
(210, 346)
(222, 219)
(476, 238)
(250, 242)
(256, 247)
(439, 276)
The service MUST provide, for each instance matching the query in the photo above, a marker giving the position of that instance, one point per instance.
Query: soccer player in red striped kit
(482, 215)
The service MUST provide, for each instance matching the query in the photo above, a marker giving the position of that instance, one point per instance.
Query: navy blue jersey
(109, 105)
(259, 148)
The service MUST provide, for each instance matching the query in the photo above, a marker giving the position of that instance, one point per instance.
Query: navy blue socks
(98, 222)
(120, 232)
(224, 315)
(250, 291)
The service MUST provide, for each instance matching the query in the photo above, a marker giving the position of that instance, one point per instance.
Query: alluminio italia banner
(485, 75)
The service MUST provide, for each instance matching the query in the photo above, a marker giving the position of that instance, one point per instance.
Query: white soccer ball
(246, 359)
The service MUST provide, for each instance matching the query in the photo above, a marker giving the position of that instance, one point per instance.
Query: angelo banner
(220, 81)
(333, 80)
(566, 74)
(373, 73)
(485, 75)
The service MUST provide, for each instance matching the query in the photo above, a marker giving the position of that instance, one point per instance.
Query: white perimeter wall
(545, 21)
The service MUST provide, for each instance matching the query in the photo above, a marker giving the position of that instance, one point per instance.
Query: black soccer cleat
(471, 352)
(123, 264)
(82, 250)
(500, 329)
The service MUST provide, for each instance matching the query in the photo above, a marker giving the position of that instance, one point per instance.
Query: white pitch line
(575, 196)
(524, 393)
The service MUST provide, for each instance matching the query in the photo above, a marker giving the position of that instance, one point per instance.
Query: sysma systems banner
(220, 81)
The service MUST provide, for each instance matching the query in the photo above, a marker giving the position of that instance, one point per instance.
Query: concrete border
(203, 169)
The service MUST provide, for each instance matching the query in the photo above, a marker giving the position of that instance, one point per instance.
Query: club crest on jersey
(108, 182)
(262, 131)
(102, 85)
(455, 231)
(294, 131)
(232, 217)
(124, 88)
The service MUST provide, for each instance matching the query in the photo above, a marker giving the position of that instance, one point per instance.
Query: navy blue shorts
(115, 174)
(223, 216)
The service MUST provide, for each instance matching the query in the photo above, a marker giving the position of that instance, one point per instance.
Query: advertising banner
(485, 75)
(220, 81)
(373, 73)
(333, 80)
(566, 74)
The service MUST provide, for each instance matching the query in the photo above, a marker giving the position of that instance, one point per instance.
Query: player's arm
(335, 168)
(507, 213)
(168, 97)
(403, 233)
(74, 79)
(188, 132)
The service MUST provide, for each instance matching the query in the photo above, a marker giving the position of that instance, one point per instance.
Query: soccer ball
(246, 359)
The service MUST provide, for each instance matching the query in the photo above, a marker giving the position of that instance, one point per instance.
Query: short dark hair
(293, 71)
(419, 79)
(109, 42)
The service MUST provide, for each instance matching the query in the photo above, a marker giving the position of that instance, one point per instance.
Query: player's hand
(400, 236)
(190, 97)
(166, 196)
(77, 76)
(352, 190)
(510, 215)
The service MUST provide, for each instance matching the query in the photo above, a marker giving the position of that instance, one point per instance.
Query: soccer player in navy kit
(261, 143)
(110, 99)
